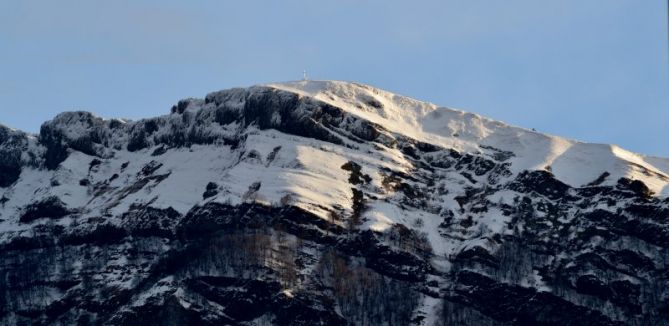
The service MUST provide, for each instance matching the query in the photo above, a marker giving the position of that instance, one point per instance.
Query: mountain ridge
(323, 89)
(542, 151)
(325, 204)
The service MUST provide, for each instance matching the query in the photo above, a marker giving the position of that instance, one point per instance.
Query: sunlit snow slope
(573, 162)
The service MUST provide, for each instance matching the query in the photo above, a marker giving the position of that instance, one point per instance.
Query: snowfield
(573, 162)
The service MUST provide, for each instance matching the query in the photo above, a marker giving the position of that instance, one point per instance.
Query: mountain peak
(318, 202)
(573, 162)
(576, 163)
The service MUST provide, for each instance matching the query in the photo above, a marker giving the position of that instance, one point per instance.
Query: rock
(51, 207)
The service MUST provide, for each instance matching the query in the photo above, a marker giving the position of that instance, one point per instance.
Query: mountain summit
(326, 203)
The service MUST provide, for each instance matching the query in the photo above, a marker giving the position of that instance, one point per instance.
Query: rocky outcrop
(15, 153)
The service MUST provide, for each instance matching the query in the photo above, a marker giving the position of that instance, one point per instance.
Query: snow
(430, 308)
(32, 184)
(573, 162)
(382, 215)
(188, 176)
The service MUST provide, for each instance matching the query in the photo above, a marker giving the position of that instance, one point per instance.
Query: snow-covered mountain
(323, 202)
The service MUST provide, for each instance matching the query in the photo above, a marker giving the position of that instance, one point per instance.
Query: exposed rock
(51, 207)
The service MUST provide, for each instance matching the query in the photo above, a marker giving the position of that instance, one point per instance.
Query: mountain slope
(326, 203)
(573, 162)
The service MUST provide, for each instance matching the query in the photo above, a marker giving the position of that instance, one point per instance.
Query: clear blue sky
(593, 70)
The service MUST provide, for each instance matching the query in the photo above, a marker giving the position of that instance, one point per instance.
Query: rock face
(326, 203)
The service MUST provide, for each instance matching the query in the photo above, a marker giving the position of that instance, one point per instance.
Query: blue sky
(592, 70)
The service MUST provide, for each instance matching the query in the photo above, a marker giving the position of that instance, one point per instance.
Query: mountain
(326, 203)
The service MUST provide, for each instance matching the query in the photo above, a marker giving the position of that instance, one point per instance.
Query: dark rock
(522, 306)
(243, 299)
(55, 137)
(210, 191)
(541, 182)
(478, 254)
(637, 187)
(159, 151)
(356, 173)
(150, 168)
(10, 167)
(94, 163)
(149, 221)
(51, 207)
(591, 285)
(181, 106)
(599, 179)
(102, 234)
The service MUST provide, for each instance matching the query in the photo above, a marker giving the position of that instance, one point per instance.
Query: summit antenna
(304, 75)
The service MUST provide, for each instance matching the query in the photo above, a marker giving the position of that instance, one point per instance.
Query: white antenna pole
(304, 75)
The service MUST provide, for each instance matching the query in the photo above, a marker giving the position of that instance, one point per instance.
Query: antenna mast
(304, 75)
